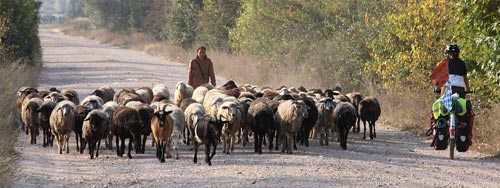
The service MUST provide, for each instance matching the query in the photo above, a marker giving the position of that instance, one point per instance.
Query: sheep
(193, 112)
(261, 119)
(93, 102)
(118, 95)
(54, 97)
(44, 118)
(109, 108)
(344, 116)
(186, 102)
(179, 120)
(355, 98)
(199, 94)
(245, 120)
(182, 91)
(70, 95)
(95, 128)
(162, 127)
(146, 94)
(145, 113)
(207, 130)
(126, 124)
(129, 97)
(369, 110)
(247, 95)
(325, 122)
(30, 110)
(160, 97)
(105, 92)
(161, 88)
(309, 122)
(62, 123)
(22, 93)
(213, 99)
(229, 110)
(81, 112)
(289, 118)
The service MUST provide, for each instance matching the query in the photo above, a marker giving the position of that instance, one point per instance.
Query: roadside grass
(402, 108)
(14, 76)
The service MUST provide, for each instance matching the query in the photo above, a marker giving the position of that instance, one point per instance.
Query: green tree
(479, 37)
(19, 30)
(182, 22)
(215, 21)
(75, 9)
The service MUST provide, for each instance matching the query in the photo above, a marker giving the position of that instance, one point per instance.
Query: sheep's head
(300, 108)
(229, 111)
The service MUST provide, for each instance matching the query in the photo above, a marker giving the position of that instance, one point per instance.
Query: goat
(207, 130)
(162, 127)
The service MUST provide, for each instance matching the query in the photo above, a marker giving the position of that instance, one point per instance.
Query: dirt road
(394, 159)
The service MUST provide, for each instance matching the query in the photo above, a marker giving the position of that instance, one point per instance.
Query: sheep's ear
(168, 112)
(225, 107)
(86, 119)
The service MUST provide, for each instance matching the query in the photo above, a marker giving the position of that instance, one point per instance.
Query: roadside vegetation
(20, 63)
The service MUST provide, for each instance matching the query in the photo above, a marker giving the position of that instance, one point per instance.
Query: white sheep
(93, 102)
(289, 118)
(161, 89)
(179, 120)
(182, 91)
(213, 99)
(199, 94)
(109, 108)
(146, 94)
(192, 113)
(62, 122)
(229, 110)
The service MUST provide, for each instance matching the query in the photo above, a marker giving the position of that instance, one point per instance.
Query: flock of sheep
(201, 116)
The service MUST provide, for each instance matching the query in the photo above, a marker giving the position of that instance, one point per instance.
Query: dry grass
(13, 77)
(402, 108)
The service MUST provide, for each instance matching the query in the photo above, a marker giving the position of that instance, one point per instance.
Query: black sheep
(261, 118)
(345, 117)
(308, 123)
(369, 110)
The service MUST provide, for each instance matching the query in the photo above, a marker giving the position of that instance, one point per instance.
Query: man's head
(201, 51)
(452, 50)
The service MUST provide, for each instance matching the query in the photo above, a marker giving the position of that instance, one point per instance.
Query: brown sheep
(105, 92)
(95, 128)
(126, 124)
(22, 95)
(70, 95)
(81, 112)
(30, 111)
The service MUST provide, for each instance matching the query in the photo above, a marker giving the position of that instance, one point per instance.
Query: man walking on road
(201, 69)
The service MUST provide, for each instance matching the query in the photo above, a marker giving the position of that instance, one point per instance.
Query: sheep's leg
(321, 135)
(261, 138)
(117, 147)
(233, 137)
(91, 148)
(207, 154)
(364, 132)
(161, 144)
(358, 125)
(270, 135)
(168, 146)
(66, 138)
(195, 158)
(143, 149)
(371, 127)
(129, 147)
(374, 132)
(290, 141)
(45, 140)
(109, 144)
(98, 145)
(326, 136)
(77, 142)
(343, 138)
(256, 143)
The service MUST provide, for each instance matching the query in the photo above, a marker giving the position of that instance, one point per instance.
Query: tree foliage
(215, 21)
(19, 30)
(415, 32)
(479, 36)
(182, 22)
